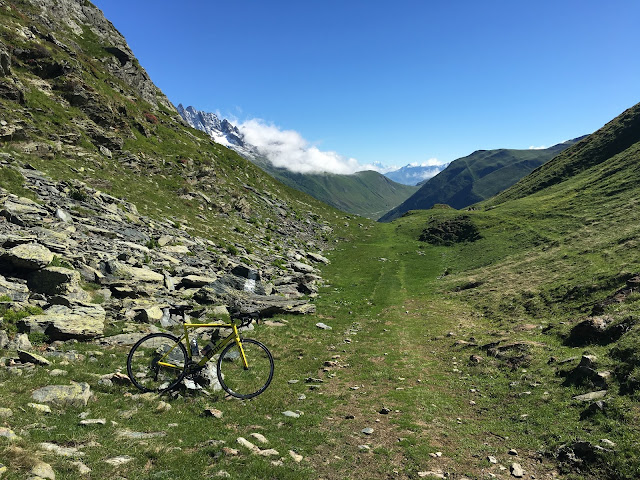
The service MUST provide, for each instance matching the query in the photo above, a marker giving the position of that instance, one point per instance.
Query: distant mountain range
(369, 194)
(461, 183)
(413, 174)
(476, 177)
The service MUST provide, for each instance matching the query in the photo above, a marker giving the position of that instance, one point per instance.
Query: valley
(497, 340)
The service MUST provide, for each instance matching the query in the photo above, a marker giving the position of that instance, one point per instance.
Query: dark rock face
(119, 60)
(599, 330)
(5, 61)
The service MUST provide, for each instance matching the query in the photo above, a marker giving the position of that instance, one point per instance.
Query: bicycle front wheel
(243, 382)
(157, 362)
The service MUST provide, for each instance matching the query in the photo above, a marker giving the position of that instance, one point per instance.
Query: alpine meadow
(494, 338)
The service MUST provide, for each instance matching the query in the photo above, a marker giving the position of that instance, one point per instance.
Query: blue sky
(394, 82)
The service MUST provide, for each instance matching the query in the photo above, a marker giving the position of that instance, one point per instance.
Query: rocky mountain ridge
(413, 174)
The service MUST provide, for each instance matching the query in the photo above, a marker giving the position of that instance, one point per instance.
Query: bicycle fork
(239, 343)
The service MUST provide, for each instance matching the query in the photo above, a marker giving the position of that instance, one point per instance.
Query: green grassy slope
(450, 354)
(474, 178)
(368, 193)
(612, 139)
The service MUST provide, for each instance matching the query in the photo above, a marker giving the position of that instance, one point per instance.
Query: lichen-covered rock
(76, 394)
(18, 292)
(30, 256)
(82, 322)
(29, 357)
(134, 274)
(316, 257)
(152, 314)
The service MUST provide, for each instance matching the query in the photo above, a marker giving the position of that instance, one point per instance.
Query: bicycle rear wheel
(157, 362)
(249, 382)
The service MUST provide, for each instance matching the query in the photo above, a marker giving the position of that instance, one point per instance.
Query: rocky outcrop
(118, 58)
(87, 258)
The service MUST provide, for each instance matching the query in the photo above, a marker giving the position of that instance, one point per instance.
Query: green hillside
(368, 193)
(616, 137)
(477, 177)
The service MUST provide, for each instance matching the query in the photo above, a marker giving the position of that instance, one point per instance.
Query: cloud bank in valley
(288, 149)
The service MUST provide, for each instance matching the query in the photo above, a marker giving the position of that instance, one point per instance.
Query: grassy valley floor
(403, 359)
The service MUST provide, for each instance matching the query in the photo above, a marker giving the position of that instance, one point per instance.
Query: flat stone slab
(316, 257)
(29, 357)
(76, 394)
(122, 339)
(302, 267)
(16, 291)
(587, 397)
(120, 460)
(191, 281)
(30, 256)
(135, 274)
(63, 323)
(60, 450)
(140, 435)
(39, 407)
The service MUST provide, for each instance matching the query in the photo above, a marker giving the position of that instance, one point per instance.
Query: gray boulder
(75, 395)
(317, 258)
(81, 322)
(30, 256)
(224, 291)
(54, 280)
(16, 291)
(30, 357)
(191, 281)
(135, 274)
(302, 267)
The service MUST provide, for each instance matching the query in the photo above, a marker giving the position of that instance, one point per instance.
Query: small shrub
(78, 195)
(97, 298)
(450, 231)
(58, 262)
(38, 338)
(279, 263)
(11, 316)
(151, 118)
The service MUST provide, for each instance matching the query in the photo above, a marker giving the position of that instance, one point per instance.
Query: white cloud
(542, 147)
(288, 149)
(432, 162)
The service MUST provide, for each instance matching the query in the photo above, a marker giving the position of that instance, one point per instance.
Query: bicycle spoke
(157, 362)
(244, 382)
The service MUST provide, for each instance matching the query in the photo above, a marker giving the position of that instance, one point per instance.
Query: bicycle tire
(142, 363)
(238, 381)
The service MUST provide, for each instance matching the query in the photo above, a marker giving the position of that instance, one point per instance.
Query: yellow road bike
(158, 362)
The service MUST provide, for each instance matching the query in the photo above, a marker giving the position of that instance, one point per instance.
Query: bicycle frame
(233, 336)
